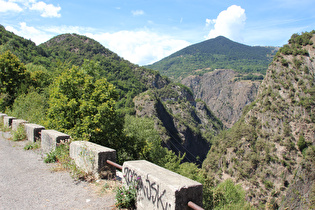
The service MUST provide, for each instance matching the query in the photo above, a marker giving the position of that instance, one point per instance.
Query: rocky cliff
(223, 93)
(186, 126)
(271, 150)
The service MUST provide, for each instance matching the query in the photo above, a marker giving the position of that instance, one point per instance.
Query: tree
(85, 109)
(14, 79)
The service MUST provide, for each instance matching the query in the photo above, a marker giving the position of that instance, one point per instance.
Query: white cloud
(137, 12)
(229, 23)
(36, 35)
(47, 10)
(140, 47)
(6, 6)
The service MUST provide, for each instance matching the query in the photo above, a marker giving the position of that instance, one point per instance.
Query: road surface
(26, 182)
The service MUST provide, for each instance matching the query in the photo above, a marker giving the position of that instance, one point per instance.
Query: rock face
(185, 125)
(270, 151)
(223, 94)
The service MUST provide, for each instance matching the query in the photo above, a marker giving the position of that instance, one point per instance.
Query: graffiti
(147, 188)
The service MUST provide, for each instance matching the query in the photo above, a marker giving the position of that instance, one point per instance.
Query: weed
(61, 155)
(126, 196)
(32, 145)
(51, 157)
(19, 134)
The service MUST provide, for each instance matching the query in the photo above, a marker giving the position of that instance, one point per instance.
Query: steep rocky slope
(186, 126)
(223, 93)
(271, 150)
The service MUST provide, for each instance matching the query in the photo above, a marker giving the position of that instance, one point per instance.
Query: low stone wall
(7, 121)
(33, 131)
(50, 139)
(16, 123)
(92, 158)
(159, 188)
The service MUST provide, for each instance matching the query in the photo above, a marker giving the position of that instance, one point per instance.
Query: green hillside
(66, 77)
(217, 53)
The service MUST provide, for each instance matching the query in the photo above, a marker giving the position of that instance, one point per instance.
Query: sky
(145, 31)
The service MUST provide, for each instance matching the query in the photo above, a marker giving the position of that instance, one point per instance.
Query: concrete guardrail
(50, 139)
(92, 158)
(159, 188)
(33, 131)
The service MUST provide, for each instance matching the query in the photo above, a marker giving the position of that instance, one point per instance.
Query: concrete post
(50, 139)
(159, 188)
(33, 132)
(92, 158)
(2, 115)
(7, 121)
(16, 123)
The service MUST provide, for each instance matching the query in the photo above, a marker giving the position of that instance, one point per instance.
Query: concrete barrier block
(50, 139)
(33, 131)
(92, 158)
(7, 121)
(17, 122)
(2, 115)
(159, 188)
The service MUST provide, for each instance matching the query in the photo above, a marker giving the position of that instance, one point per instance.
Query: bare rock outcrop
(223, 93)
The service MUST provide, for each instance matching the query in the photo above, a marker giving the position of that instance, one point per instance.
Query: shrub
(126, 196)
(301, 143)
(19, 134)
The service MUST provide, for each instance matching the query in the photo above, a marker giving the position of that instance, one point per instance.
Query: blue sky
(145, 31)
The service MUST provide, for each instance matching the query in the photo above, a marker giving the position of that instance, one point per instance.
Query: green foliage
(301, 143)
(13, 79)
(85, 109)
(51, 157)
(126, 196)
(32, 145)
(226, 195)
(31, 107)
(24, 49)
(295, 45)
(144, 139)
(19, 134)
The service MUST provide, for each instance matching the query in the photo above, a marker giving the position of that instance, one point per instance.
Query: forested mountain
(52, 59)
(217, 53)
(271, 150)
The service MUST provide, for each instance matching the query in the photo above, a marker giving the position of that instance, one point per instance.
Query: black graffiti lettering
(156, 192)
(151, 190)
(148, 188)
(159, 200)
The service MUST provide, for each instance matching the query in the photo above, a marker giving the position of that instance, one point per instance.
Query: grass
(61, 156)
(19, 134)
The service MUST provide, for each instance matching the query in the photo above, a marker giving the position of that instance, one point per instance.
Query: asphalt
(26, 182)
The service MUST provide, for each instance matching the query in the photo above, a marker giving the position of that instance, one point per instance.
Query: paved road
(26, 182)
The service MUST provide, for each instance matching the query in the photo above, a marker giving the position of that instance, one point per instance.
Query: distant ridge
(217, 53)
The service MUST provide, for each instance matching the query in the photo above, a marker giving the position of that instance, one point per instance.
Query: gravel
(26, 182)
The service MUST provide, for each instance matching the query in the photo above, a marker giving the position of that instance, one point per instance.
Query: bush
(19, 134)
(31, 107)
(13, 79)
(301, 143)
(126, 196)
